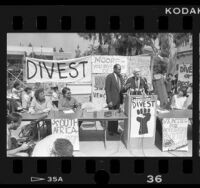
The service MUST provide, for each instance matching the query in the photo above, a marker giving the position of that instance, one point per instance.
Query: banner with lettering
(184, 75)
(103, 64)
(143, 116)
(144, 64)
(67, 128)
(174, 131)
(69, 71)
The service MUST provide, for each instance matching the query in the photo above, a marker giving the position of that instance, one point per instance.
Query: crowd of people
(35, 102)
(177, 99)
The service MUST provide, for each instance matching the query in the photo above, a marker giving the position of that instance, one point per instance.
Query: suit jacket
(113, 93)
(143, 83)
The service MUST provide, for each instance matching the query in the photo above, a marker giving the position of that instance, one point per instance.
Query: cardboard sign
(104, 64)
(98, 91)
(143, 114)
(68, 128)
(174, 134)
(185, 75)
(69, 71)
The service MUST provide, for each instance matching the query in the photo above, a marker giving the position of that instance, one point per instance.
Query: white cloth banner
(185, 75)
(69, 71)
(68, 128)
(104, 64)
(174, 134)
(143, 117)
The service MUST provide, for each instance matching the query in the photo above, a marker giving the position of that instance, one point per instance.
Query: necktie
(119, 84)
(137, 83)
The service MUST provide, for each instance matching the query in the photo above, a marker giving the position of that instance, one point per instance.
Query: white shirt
(178, 102)
(188, 100)
(15, 93)
(54, 96)
(26, 100)
(118, 80)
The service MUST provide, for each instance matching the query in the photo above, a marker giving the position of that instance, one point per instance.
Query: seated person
(16, 94)
(179, 99)
(26, 98)
(13, 122)
(55, 96)
(67, 101)
(16, 91)
(40, 104)
(53, 145)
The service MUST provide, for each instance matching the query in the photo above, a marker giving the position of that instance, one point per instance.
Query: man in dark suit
(138, 85)
(114, 95)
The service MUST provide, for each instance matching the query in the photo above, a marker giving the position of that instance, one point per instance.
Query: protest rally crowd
(34, 101)
(135, 88)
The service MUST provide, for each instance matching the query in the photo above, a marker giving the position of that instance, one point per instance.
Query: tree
(29, 45)
(134, 43)
(123, 43)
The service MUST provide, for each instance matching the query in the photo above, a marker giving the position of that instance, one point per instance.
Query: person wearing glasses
(138, 85)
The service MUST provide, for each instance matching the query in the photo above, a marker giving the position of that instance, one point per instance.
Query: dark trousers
(113, 125)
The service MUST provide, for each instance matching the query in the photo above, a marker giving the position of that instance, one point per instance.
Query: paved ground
(92, 144)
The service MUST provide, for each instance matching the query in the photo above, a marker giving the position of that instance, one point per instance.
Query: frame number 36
(154, 179)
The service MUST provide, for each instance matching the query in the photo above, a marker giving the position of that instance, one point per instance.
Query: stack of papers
(68, 111)
(162, 111)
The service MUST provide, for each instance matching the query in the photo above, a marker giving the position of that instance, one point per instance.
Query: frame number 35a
(154, 179)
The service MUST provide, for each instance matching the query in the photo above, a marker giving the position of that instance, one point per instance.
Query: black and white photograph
(99, 94)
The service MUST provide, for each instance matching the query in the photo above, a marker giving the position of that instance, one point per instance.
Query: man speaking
(138, 85)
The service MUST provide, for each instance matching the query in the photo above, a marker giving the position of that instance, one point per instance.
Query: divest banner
(184, 75)
(69, 71)
(68, 128)
(143, 117)
(175, 134)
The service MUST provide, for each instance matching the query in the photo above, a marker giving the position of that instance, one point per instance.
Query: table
(175, 114)
(80, 115)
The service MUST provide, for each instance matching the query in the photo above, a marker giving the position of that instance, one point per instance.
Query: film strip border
(107, 18)
(103, 170)
(115, 23)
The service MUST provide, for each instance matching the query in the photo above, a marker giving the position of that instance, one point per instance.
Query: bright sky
(68, 41)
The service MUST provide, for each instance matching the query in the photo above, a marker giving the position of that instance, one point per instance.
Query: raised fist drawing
(143, 117)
